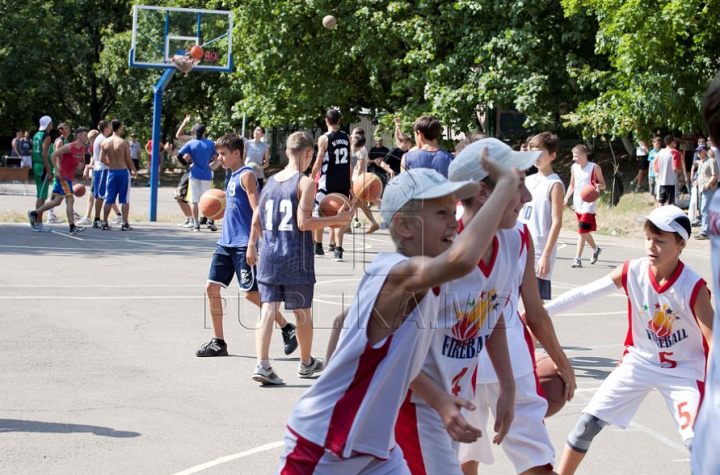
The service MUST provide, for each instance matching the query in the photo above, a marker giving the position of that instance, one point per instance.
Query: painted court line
(230, 458)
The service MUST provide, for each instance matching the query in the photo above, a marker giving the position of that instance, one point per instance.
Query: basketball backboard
(159, 33)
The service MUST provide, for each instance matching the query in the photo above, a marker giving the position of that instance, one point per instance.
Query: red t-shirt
(677, 159)
(70, 161)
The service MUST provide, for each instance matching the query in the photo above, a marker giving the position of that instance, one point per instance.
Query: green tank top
(37, 146)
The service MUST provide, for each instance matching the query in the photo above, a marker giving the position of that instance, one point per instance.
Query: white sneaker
(118, 219)
(184, 223)
(52, 219)
(188, 224)
(42, 228)
(266, 376)
(77, 217)
(83, 222)
(316, 365)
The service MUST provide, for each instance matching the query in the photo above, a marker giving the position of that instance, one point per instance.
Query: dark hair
(358, 140)
(333, 116)
(80, 131)
(429, 126)
(546, 140)
(116, 124)
(650, 227)
(711, 109)
(102, 125)
(474, 136)
(358, 131)
(261, 128)
(669, 139)
(199, 130)
(231, 142)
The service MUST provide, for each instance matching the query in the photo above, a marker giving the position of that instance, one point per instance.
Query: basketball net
(184, 63)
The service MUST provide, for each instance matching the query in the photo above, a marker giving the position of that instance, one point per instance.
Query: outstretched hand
(455, 424)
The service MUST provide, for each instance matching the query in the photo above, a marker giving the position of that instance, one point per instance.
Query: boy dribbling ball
(668, 339)
(345, 422)
(286, 269)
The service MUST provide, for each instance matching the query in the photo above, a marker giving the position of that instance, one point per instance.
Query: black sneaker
(76, 229)
(338, 254)
(331, 247)
(289, 338)
(318, 249)
(214, 347)
(595, 255)
(32, 216)
(203, 220)
(126, 227)
(105, 226)
(97, 224)
(211, 225)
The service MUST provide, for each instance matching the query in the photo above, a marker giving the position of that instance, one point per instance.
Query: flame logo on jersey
(476, 312)
(662, 321)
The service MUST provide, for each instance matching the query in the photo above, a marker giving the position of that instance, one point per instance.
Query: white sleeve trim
(576, 297)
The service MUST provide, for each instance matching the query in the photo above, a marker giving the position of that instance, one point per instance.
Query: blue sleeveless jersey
(438, 160)
(286, 254)
(238, 213)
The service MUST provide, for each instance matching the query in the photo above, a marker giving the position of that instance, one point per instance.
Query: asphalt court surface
(99, 373)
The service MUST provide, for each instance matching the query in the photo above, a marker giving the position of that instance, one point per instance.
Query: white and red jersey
(583, 176)
(537, 214)
(663, 332)
(352, 407)
(513, 244)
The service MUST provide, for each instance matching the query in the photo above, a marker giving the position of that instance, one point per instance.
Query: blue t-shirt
(651, 158)
(238, 212)
(202, 152)
(439, 160)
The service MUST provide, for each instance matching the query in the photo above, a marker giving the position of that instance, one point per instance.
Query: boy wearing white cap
(527, 442)
(345, 422)
(668, 340)
(42, 167)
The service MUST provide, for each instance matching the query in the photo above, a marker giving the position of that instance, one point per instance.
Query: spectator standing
(201, 152)
(258, 152)
(135, 153)
(428, 131)
(707, 183)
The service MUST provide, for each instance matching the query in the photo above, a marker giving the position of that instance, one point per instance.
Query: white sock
(308, 362)
(265, 364)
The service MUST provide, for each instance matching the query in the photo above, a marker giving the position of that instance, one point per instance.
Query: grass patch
(618, 220)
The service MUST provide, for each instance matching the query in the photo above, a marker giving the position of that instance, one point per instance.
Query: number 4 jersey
(286, 253)
(663, 333)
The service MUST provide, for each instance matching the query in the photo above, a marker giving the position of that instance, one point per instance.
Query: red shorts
(586, 223)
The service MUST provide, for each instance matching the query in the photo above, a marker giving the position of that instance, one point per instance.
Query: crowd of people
(400, 397)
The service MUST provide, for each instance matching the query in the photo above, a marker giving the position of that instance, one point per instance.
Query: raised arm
(180, 134)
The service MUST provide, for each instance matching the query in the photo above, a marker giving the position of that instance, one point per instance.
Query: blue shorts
(294, 296)
(62, 187)
(229, 261)
(100, 183)
(118, 186)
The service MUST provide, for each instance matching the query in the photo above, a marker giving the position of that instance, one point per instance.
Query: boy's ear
(401, 226)
(552, 156)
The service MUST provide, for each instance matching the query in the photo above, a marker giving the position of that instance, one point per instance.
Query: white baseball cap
(671, 219)
(44, 122)
(421, 184)
(466, 166)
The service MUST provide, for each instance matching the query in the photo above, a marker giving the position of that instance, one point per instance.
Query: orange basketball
(332, 204)
(367, 187)
(589, 193)
(551, 383)
(197, 52)
(79, 190)
(212, 204)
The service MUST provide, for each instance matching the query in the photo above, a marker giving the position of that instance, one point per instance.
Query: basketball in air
(329, 22)
(551, 383)
(79, 190)
(332, 204)
(367, 187)
(212, 204)
(589, 193)
(197, 52)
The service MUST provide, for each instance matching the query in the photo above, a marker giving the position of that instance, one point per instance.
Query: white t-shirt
(98, 165)
(666, 174)
(256, 154)
(537, 214)
(583, 176)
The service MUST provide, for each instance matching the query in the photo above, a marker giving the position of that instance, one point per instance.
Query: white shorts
(705, 445)
(302, 457)
(26, 162)
(620, 395)
(197, 188)
(527, 443)
(427, 446)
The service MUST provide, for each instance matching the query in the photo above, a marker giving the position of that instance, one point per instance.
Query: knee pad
(585, 430)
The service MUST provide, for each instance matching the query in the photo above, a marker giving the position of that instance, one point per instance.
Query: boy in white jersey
(471, 319)
(704, 456)
(527, 442)
(345, 422)
(667, 341)
(543, 215)
(584, 172)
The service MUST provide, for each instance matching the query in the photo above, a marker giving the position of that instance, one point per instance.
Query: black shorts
(136, 161)
(666, 194)
(643, 163)
(230, 261)
(545, 288)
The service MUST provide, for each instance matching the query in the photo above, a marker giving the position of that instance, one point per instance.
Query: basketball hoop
(184, 63)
